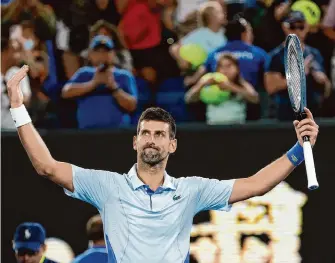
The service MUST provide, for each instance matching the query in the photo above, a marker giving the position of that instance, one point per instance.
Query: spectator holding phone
(106, 95)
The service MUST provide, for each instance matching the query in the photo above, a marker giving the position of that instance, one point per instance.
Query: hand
(101, 77)
(207, 82)
(226, 86)
(13, 86)
(306, 127)
(111, 83)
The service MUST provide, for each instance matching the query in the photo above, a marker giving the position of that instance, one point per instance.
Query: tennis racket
(296, 86)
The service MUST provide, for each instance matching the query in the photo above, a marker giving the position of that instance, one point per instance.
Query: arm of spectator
(121, 5)
(127, 97)
(47, 16)
(175, 53)
(246, 90)
(78, 85)
(190, 80)
(71, 63)
(281, 10)
(274, 82)
(193, 94)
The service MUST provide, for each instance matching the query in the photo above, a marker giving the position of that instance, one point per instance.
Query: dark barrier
(215, 152)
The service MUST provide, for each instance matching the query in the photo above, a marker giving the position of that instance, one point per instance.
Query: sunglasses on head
(297, 27)
(24, 252)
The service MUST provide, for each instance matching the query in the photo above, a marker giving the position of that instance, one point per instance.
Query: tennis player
(147, 214)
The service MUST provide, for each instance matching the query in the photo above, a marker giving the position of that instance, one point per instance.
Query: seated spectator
(33, 10)
(123, 58)
(232, 110)
(318, 85)
(252, 59)
(105, 94)
(97, 253)
(9, 62)
(209, 36)
(29, 243)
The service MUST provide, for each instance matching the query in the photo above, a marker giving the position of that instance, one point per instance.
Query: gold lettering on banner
(277, 216)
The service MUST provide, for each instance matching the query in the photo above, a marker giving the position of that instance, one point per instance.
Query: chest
(157, 213)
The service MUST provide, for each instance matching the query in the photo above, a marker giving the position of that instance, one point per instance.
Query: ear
(173, 146)
(135, 143)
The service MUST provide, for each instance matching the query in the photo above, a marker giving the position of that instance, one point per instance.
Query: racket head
(295, 74)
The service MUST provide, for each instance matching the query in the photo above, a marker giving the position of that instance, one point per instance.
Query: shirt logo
(27, 234)
(176, 197)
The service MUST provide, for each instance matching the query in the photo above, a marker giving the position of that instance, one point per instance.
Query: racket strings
(294, 77)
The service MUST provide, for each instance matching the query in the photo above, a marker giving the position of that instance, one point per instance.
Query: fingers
(309, 113)
(18, 76)
(306, 122)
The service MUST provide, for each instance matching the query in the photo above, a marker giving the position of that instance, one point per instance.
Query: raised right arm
(42, 160)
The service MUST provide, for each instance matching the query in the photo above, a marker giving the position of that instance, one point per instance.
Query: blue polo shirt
(276, 64)
(252, 61)
(99, 109)
(96, 254)
(145, 226)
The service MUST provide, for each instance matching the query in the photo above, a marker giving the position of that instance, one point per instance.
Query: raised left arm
(272, 174)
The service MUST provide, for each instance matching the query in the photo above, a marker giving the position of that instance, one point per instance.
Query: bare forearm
(125, 100)
(271, 175)
(274, 82)
(77, 89)
(193, 94)
(36, 149)
(248, 93)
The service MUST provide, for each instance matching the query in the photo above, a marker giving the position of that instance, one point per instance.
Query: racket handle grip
(310, 168)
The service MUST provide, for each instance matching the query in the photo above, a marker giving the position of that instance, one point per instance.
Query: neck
(215, 27)
(153, 176)
(99, 243)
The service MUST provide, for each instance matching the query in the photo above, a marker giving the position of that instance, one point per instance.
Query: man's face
(101, 56)
(153, 142)
(299, 28)
(29, 256)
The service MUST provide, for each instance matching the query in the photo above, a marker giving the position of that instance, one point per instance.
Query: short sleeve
(274, 64)
(130, 84)
(91, 186)
(209, 62)
(82, 75)
(213, 194)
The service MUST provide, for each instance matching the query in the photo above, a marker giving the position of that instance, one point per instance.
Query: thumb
(295, 123)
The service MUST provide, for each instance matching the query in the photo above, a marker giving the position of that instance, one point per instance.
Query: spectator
(9, 59)
(252, 59)
(319, 86)
(123, 57)
(269, 34)
(329, 21)
(29, 243)
(33, 10)
(210, 34)
(141, 27)
(234, 109)
(97, 253)
(105, 94)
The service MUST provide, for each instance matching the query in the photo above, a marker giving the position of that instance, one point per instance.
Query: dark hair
(158, 114)
(235, 28)
(94, 228)
(234, 60)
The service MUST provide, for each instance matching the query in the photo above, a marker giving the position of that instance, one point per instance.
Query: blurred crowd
(100, 63)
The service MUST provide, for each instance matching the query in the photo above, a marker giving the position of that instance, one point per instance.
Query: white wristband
(20, 116)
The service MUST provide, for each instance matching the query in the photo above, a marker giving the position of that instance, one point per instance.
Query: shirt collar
(137, 183)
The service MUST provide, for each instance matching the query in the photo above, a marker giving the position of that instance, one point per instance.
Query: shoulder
(122, 72)
(90, 254)
(261, 52)
(46, 260)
